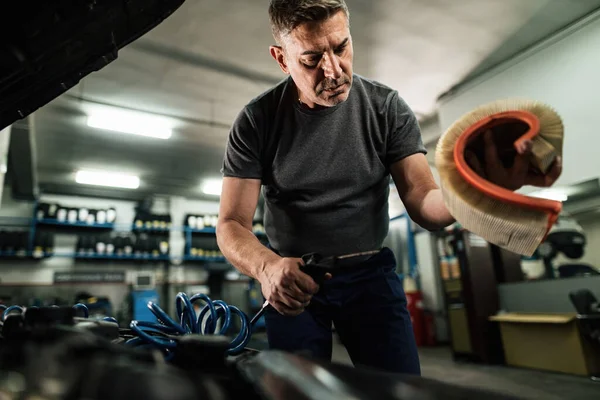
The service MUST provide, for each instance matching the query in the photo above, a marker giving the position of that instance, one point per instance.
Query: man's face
(319, 57)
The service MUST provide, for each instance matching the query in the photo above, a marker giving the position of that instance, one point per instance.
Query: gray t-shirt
(325, 173)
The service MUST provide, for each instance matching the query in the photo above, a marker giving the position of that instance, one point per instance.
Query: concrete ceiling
(204, 63)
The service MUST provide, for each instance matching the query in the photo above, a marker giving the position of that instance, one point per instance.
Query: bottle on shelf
(62, 214)
(91, 246)
(22, 244)
(38, 245)
(155, 247)
(72, 215)
(80, 246)
(83, 214)
(110, 246)
(52, 211)
(111, 215)
(91, 217)
(101, 217)
(15, 243)
(454, 267)
(138, 221)
(100, 246)
(163, 247)
(42, 211)
(128, 244)
(49, 245)
(47, 211)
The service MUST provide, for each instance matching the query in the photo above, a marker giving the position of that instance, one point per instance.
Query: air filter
(501, 216)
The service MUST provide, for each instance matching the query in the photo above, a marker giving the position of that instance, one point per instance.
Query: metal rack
(32, 225)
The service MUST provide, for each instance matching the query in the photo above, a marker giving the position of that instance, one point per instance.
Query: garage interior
(483, 317)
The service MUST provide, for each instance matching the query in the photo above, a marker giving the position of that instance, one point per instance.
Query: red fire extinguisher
(417, 315)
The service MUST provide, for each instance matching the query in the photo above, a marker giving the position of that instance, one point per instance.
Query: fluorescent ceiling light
(107, 179)
(212, 187)
(551, 194)
(134, 123)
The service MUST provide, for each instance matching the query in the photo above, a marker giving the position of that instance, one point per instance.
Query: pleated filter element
(510, 220)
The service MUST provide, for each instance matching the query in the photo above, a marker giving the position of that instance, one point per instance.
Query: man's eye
(311, 62)
(340, 50)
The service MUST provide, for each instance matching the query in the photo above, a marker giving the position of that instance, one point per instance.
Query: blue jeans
(367, 306)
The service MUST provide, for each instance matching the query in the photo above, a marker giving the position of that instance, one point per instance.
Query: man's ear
(279, 55)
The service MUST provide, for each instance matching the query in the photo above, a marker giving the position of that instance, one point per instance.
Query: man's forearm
(433, 213)
(243, 250)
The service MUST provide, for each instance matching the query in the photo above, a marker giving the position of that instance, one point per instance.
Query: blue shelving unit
(134, 228)
(206, 231)
(113, 257)
(73, 224)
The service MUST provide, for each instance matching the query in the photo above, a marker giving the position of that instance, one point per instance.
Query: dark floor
(437, 363)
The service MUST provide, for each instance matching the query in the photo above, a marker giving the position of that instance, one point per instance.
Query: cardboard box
(550, 342)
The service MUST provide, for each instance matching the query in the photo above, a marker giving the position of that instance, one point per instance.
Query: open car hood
(283, 376)
(48, 46)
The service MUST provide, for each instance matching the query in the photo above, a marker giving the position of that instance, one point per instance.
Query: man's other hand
(519, 174)
(286, 287)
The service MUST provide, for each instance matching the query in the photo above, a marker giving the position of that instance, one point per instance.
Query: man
(322, 144)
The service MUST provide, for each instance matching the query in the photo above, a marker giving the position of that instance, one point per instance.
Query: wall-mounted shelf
(79, 227)
(132, 257)
(67, 224)
(137, 229)
(14, 254)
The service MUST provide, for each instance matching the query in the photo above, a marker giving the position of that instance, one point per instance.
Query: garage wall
(591, 226)
(562, 72)
(544, 296)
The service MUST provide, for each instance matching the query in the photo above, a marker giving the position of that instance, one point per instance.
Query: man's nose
(331, 66)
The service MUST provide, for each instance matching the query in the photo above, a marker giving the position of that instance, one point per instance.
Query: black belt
(317, 266)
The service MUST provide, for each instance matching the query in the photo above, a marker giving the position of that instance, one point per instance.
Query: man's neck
(308, 105)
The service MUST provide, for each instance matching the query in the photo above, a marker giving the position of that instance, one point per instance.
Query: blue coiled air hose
(163, 335)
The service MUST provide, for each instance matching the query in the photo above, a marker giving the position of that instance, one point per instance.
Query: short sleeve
(405, 134)
(242, 154)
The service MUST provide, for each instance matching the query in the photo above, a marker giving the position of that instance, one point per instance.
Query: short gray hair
(286, 15)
